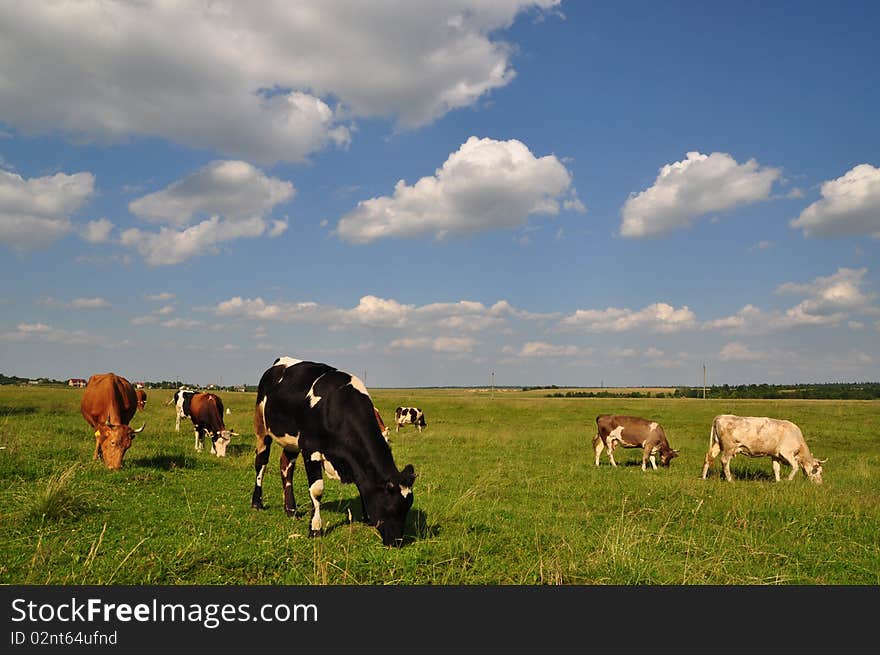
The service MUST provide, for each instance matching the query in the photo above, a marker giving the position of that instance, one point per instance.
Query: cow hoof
(257, 504)
(292, 512)
(314, 533)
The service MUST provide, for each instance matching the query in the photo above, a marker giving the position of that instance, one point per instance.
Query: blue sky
(424, 193)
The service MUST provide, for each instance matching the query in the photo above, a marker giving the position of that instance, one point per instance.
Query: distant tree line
(810, 391)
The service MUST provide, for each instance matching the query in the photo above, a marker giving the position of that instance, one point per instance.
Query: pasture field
(507, 494)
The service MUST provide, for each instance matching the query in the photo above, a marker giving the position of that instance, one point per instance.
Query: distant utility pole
(493, 385)
(704, 380)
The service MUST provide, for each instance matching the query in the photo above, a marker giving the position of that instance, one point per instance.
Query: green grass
(507, 493)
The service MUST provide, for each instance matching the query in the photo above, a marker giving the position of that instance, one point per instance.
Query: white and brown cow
(382, 426)
(328, 416)
(141, 398)
(632, 432)
(414, 415)
(206, 413)
(755, 436)
(108, 404)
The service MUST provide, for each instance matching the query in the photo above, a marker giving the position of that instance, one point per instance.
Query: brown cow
(632, 432)
(206, 413)
(108, 404)
(141, 398)
(385, 430)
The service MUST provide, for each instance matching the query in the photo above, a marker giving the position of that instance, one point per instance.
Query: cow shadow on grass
(239, 449)
(416, 527)
(17, 411)
(165, 462)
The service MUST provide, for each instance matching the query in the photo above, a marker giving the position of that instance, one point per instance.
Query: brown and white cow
(755, 436)
(141, 398)
(206, 413)
(382, 426)
(108, 404)
(632, 432)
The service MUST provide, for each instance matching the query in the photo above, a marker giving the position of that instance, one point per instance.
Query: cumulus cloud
(169, 246)
(850, 205)
(229, 198)
(658, 317)
(691, 188)
(97, 231)
(737, 351)
(450, 345)
(250, 80)
(47, 333)
(35, 212)
(233, 189)
(829, 300)
(485, 185)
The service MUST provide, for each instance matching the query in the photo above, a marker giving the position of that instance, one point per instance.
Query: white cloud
(250, 80)
(438, 344)
(45, 333)
(542, 349)
(35, 212)
(850, 205)
(162, 296)
(737, 351)
(77, 303)
(169, 246)
(97, 231)
(177, 323)
(235, 195)
(485, 185)
(691, 188)
(235, 190)
(658, 317)
(830, 300)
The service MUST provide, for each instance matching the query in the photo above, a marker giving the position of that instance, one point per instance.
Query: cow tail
(713, 434)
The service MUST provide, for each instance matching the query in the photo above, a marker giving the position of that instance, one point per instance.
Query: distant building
(76, 382)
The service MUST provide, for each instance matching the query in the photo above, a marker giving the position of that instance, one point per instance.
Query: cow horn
(140, 429)
(822, 461)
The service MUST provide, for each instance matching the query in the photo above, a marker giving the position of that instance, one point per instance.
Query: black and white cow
(328, 416)
(182, 399)
(414, 415)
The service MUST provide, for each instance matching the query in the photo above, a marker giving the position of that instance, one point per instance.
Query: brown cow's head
(115, 440)
(667, 455)
(222, 441)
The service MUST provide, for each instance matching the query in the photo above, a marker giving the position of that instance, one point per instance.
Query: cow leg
(261, 460)
(314, 474)
(610, 447)
(288, 462)
(177, 424)
(794, 466)
(200, 439)
(776, 467)
(712, 453)
(598, 447)
(213, 441)
(725, 463)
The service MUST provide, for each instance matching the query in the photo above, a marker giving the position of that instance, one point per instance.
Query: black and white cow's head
(389, 503)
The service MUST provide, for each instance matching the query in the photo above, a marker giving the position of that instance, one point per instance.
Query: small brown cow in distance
(108, 405)
(632, 432)
(141, 398)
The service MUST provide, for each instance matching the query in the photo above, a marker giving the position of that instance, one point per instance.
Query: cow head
(813, 469)
(115, 441)
(389, 503)
(667, 455)
(222, 441)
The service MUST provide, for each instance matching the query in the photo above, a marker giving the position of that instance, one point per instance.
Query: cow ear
(408, 476)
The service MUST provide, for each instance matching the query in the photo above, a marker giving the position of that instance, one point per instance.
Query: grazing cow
(632, 432)
(414, 415)
(108, 404)
(385, 430)
(141, 398)
(206, 413)
(181, 399)
(328, 416)
(755, 436)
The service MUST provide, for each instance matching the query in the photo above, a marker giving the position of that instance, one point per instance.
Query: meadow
(507, 494)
